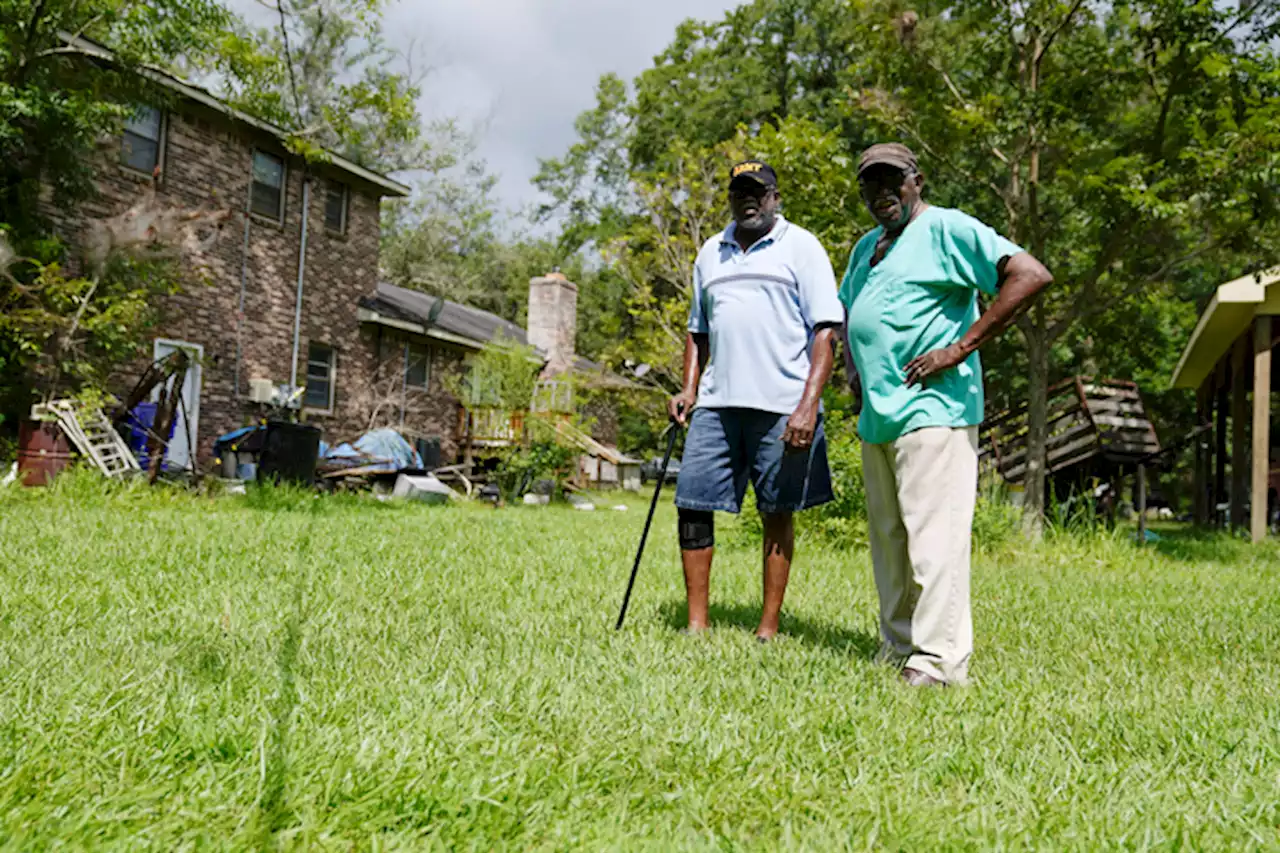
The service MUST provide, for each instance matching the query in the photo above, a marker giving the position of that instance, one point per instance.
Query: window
(320, 364)
(417, 365)
(143, 134)
(268, 186)
(335, 207)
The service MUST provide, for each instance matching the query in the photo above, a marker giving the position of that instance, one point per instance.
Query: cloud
(522, 70)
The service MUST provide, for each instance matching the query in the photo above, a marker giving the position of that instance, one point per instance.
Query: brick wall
(430, 412)
(207, 162)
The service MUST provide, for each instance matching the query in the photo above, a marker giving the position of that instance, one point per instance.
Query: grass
(277, 672)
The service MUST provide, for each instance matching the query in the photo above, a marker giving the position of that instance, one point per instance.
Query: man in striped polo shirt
(758, 352)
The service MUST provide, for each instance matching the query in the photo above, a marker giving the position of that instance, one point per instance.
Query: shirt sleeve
(819, 297)
(697, 311)
(973, 251)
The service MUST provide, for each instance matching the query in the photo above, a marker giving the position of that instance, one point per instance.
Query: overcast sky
(523, 70)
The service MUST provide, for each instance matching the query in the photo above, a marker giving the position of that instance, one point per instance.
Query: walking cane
(662, 476)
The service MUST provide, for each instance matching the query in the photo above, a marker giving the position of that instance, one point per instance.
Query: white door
(186, 431)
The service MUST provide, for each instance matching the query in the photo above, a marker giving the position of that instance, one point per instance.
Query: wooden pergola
(1227, 362)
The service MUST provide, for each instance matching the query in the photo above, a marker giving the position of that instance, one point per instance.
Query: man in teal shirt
(913, 330)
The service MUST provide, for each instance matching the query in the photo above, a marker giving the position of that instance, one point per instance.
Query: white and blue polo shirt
(760, 308)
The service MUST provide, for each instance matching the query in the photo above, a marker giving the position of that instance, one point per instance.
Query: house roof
(1228, 315)
(205, 98)
(412, 311)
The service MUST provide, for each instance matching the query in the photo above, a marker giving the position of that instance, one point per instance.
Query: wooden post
(1220, 442)
(1239, 435)
(1200, 502)
(1142, 504)
(1261, 426)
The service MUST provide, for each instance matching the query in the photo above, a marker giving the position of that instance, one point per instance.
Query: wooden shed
(1096, 428)
(1227, 362)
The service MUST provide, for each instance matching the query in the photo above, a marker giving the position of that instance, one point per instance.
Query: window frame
(428, 354)
(329, 186)
(332, 379)
(162, 134)
(278, 217)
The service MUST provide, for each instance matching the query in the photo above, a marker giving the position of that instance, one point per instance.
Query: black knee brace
(697, 529)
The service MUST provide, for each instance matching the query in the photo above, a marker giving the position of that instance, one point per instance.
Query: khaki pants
(920, 495)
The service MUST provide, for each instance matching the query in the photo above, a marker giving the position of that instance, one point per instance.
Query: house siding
(207, 163)
(430, 412)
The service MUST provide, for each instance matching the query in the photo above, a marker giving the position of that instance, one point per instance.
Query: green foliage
(446, 241)
(502, 375)
(71, 331)
(589, 185)
(1132, 146)
(58, 101)
(335, 86)
(545, 458)
(843, 521)
(997, 523)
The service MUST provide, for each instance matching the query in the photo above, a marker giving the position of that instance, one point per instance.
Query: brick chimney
(553, 319)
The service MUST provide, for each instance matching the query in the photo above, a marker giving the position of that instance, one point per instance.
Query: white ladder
(93, 435)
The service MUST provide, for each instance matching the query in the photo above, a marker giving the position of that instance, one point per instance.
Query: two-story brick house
(281, 294)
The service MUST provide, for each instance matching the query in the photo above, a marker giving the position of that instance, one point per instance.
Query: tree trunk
(1037, 436)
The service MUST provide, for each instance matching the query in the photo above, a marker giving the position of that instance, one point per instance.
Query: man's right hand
(679, 406)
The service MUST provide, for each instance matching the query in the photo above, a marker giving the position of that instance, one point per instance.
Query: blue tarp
(237, 433)
(384, 444)
(384, 448)
(388, 450)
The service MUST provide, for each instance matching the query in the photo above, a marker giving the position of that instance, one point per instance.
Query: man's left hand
(922, 367)
(801, 426)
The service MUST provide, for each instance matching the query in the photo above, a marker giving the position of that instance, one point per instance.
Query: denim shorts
(727, 447)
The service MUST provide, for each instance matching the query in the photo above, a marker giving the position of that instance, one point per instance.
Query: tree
(1123, 143)
(590, 185)
(1130, 144)
(58, 98)
(336, 85)
(71, 330)
(443, 241)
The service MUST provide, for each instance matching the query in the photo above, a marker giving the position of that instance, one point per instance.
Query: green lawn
(189, 673)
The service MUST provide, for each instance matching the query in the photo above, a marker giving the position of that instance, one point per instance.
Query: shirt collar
(774, 235)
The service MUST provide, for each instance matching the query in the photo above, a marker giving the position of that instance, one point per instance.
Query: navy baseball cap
(753, 171)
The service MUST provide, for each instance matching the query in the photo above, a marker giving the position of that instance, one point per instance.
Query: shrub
(541, 460)
(842, 521)
(996, 521)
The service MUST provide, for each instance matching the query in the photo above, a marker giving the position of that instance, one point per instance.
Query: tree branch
(962, 100)
(1088, 288)
(29, 40)
(288, 60)
(950, 164)
(1090, 307)
(1246, 12)
(1053, 33)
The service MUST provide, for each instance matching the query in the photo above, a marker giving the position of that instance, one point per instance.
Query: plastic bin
(289, 453)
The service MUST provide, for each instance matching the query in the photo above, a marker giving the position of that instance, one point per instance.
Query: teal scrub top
(922, 296)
